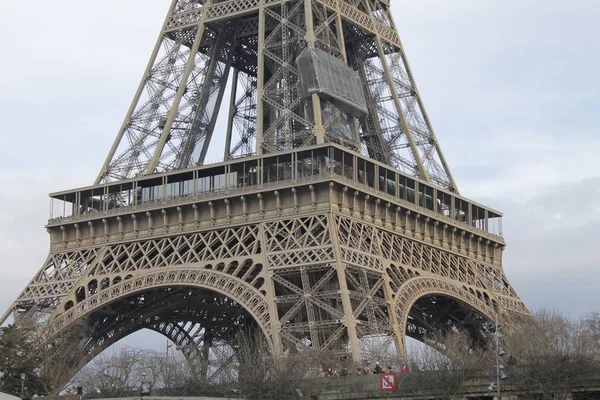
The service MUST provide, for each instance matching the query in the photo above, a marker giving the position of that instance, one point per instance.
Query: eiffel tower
(333, 216)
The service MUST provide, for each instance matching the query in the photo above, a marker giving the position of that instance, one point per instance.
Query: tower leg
(350, 320)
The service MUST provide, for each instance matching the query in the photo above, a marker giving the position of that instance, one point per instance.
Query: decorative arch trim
(169, 330)
(418, 287)
(186, 275)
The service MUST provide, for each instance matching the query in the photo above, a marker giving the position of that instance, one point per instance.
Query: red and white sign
(388, 382)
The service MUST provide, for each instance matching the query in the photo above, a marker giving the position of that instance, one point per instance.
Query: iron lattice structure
(333, 216)
(173, 116)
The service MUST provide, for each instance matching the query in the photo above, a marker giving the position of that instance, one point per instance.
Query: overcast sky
(511, 87)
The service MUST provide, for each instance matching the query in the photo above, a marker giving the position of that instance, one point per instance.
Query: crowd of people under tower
(366, 370)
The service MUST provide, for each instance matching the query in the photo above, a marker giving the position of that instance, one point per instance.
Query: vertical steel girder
(241, 130)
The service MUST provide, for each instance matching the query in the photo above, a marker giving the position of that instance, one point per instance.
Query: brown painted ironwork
(323, 226)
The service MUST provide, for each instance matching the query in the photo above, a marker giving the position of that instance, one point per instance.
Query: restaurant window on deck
(91, 201)
(336, 161)
(308, 163)
(494, 224)
(151, 190)
(278, 168)
(444, 203)
(387, 181)
(341, 163)
(180, 185)
(211, 180)
(348, 166)
(243, 174)
(461, 210)
(62, 207)
(406, 189)
(284, 167)
(119, 196)
(366, 173)
(479, 218)
(269, 169)
(426, 196)
(486, 220)
(233, 179)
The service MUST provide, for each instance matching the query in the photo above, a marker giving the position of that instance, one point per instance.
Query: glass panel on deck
(444, 203)
(426, 196)
(62, 207)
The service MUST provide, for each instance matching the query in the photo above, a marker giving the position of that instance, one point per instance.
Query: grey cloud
(553, 257)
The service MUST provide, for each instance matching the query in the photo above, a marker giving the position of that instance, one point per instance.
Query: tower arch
(418, 288)
(187, 275)
(194, 308)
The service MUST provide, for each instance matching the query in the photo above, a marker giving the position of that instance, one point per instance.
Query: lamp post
(500, 376)
(169, 345)
(497, 335)
(145, 389)
(22, 385)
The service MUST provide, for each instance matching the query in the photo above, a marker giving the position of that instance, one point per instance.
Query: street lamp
(22, 384)
(500, 375)
(169, 345)
(145, 389)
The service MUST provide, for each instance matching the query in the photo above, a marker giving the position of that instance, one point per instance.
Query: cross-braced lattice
(333, 218)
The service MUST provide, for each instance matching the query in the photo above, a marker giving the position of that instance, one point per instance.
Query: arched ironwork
(416, 288)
